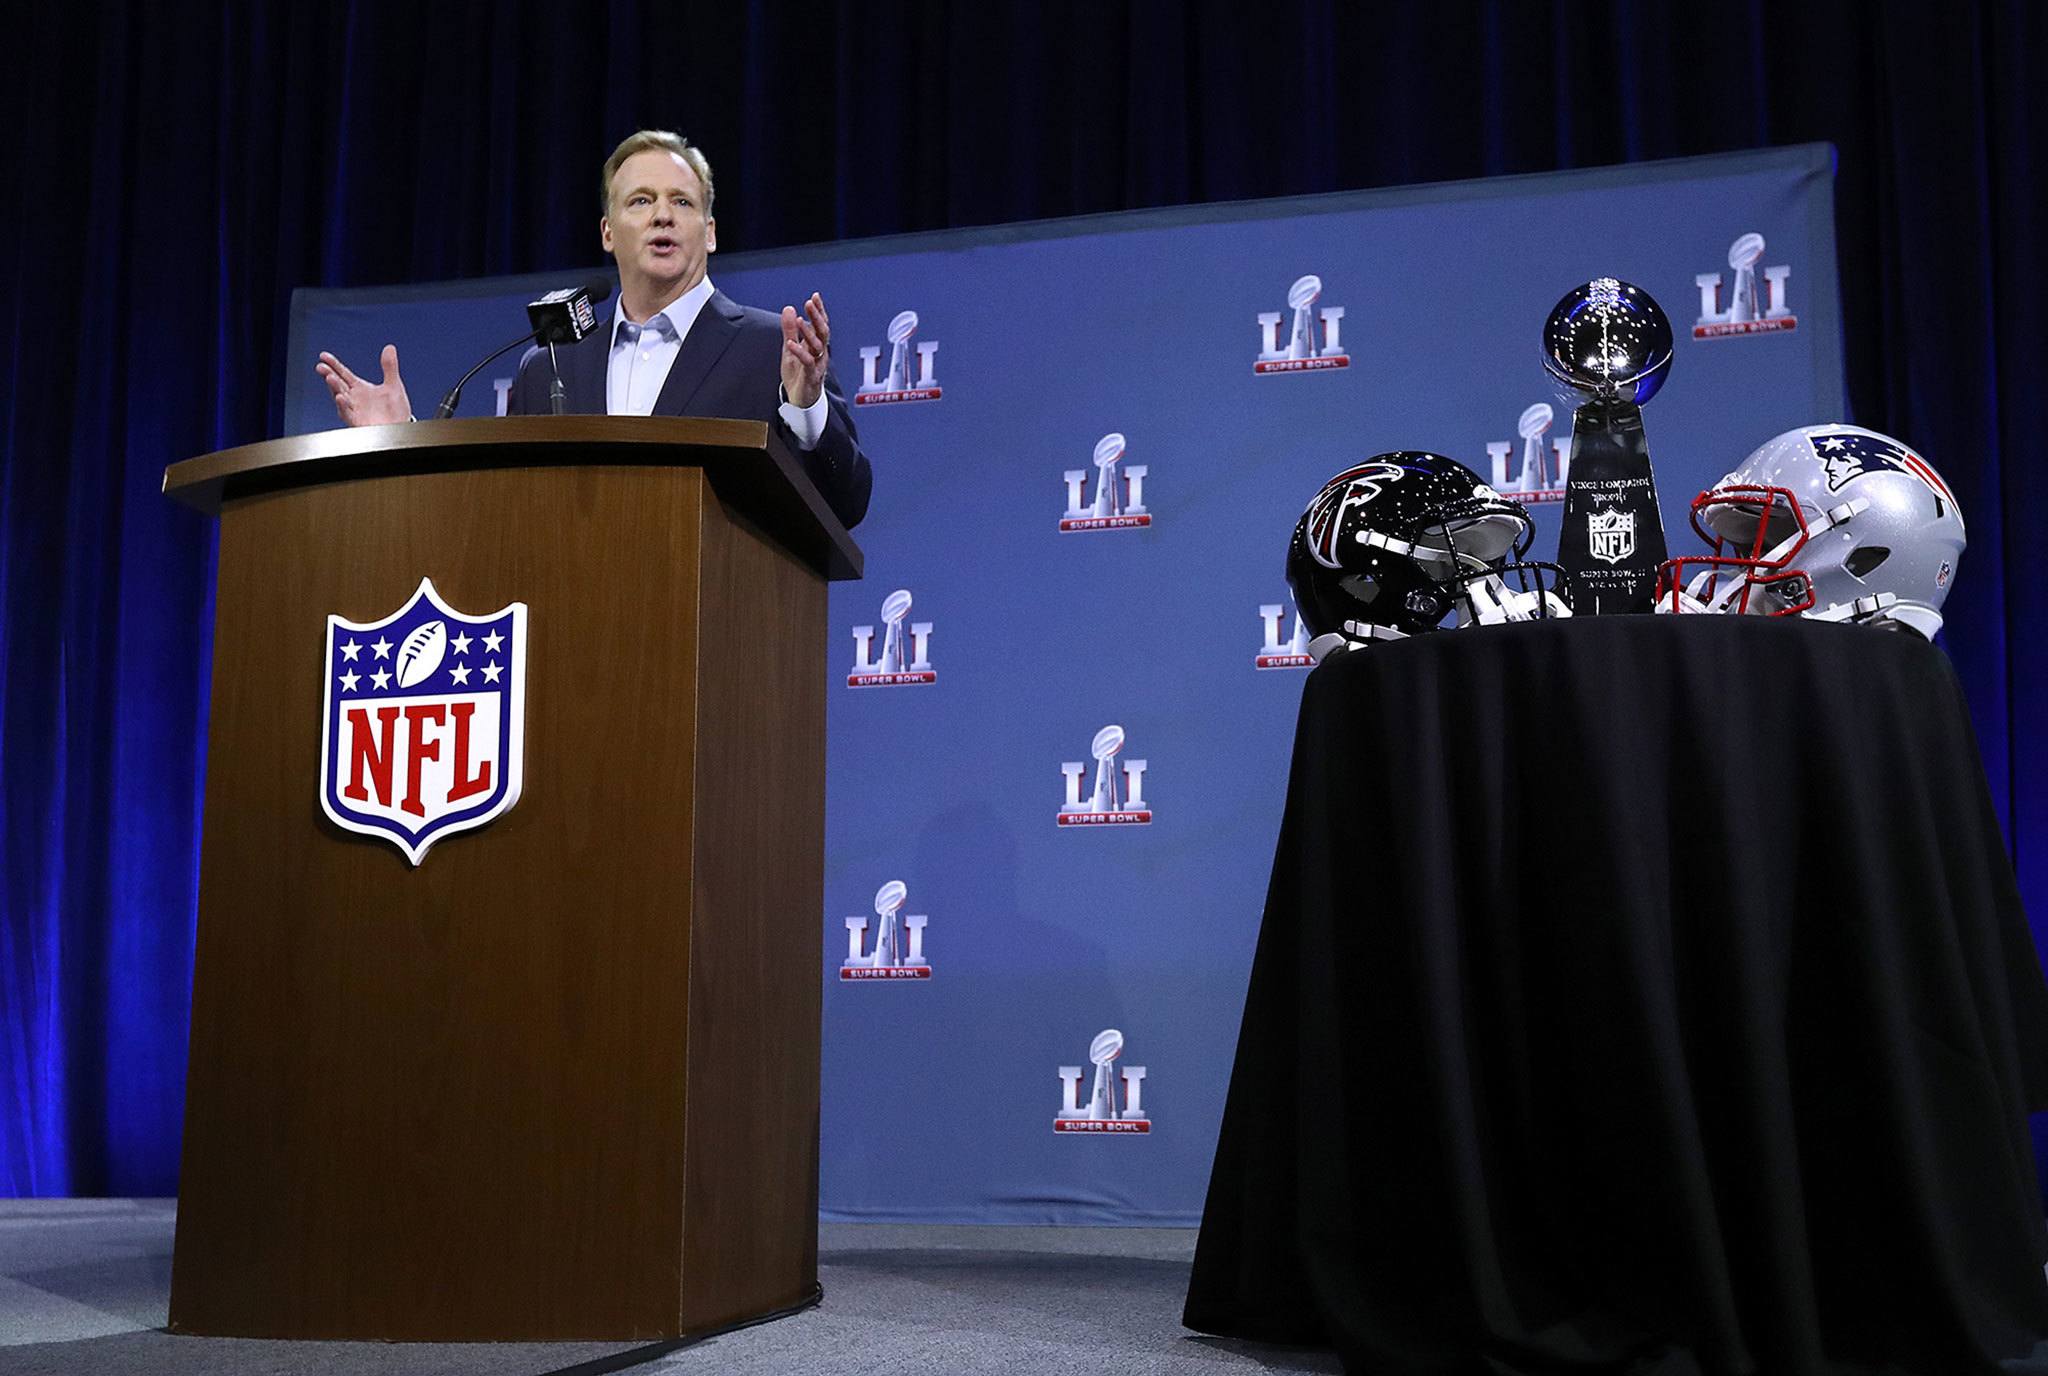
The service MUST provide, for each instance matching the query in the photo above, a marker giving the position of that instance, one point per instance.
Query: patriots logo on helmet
(1846, 454)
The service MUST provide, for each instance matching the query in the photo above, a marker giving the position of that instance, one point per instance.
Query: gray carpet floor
(85, 1288)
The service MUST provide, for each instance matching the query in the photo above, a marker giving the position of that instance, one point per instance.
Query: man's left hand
(806, 351)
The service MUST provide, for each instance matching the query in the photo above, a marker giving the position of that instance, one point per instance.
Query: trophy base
(1613, 537)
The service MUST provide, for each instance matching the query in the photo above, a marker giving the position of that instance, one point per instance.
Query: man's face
(657, 228)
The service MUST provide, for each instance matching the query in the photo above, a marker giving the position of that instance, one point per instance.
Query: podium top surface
(746, 464)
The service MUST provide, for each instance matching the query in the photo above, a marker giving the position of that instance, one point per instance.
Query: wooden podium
(561, 1080)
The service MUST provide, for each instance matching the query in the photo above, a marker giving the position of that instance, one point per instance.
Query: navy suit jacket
(730, 364)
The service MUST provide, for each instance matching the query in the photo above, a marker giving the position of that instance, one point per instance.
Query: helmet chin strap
(1683, 599)
(1354, 635)
(1487, 600)
(1479, 602)
(1491, 602)
(1862, 609)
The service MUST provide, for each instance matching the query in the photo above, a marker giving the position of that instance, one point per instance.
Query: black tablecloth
(1641, 994)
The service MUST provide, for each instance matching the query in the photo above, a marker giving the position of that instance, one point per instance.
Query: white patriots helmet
(1829, 522)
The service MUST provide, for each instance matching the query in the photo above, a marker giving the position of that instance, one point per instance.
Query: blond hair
(656, 140)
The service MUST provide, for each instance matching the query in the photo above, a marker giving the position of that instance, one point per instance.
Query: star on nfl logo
(423, 719)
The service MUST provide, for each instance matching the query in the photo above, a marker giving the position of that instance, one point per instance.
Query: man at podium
(676, 345)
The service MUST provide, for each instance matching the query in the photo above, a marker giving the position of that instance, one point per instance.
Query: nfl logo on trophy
(1101, 1113)
(1611, 535)
(423, 721)
(1117, 505)
(1742, 315)
(1107, 804)
(893, 669)
(1303, 353)
(878, 388)
(898, 951)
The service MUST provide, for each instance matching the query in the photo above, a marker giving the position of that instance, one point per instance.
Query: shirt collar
(681, 312)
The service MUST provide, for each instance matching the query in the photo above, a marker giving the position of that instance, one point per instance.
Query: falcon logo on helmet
(1352, 488)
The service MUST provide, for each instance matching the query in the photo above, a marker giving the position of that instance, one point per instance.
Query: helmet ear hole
(1362, 586)
(1861, 563)
(1427, 603)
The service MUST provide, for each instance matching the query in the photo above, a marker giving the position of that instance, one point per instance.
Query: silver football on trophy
(1609, 340)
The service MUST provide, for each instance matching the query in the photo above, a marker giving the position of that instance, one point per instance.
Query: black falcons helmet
(1392, 546)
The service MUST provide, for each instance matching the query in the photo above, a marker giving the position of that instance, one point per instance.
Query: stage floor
(85, 1286)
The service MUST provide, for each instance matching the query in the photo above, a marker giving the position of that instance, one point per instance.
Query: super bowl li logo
(904, 659)
(1118, 796)
(898, 949)
(878, 388)
(1537, 473)
(1744, 313)
(1119, 500)
(1303, 352)
(1102, 1113)
(423, 721)
(1278, 652)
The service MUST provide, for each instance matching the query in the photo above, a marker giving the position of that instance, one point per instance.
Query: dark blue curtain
(175, 172)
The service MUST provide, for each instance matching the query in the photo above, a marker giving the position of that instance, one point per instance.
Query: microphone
(563, 316)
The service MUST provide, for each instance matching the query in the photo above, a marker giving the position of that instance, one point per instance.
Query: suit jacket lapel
(586, 371)
(714, 330)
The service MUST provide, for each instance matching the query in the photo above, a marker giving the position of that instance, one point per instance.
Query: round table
(1636, 994)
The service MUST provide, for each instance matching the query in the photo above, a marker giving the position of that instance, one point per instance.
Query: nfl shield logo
(423, 720)
(1611, 535)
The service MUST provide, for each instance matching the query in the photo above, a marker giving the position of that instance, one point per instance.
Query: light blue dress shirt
(643, 353)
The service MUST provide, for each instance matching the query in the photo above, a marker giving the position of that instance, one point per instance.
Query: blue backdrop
(178, 176)
(1031, 344)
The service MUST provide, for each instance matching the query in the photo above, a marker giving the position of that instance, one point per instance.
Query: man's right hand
(366, 403)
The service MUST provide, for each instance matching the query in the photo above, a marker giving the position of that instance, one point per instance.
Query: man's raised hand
(806, 351)
(378, 403)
